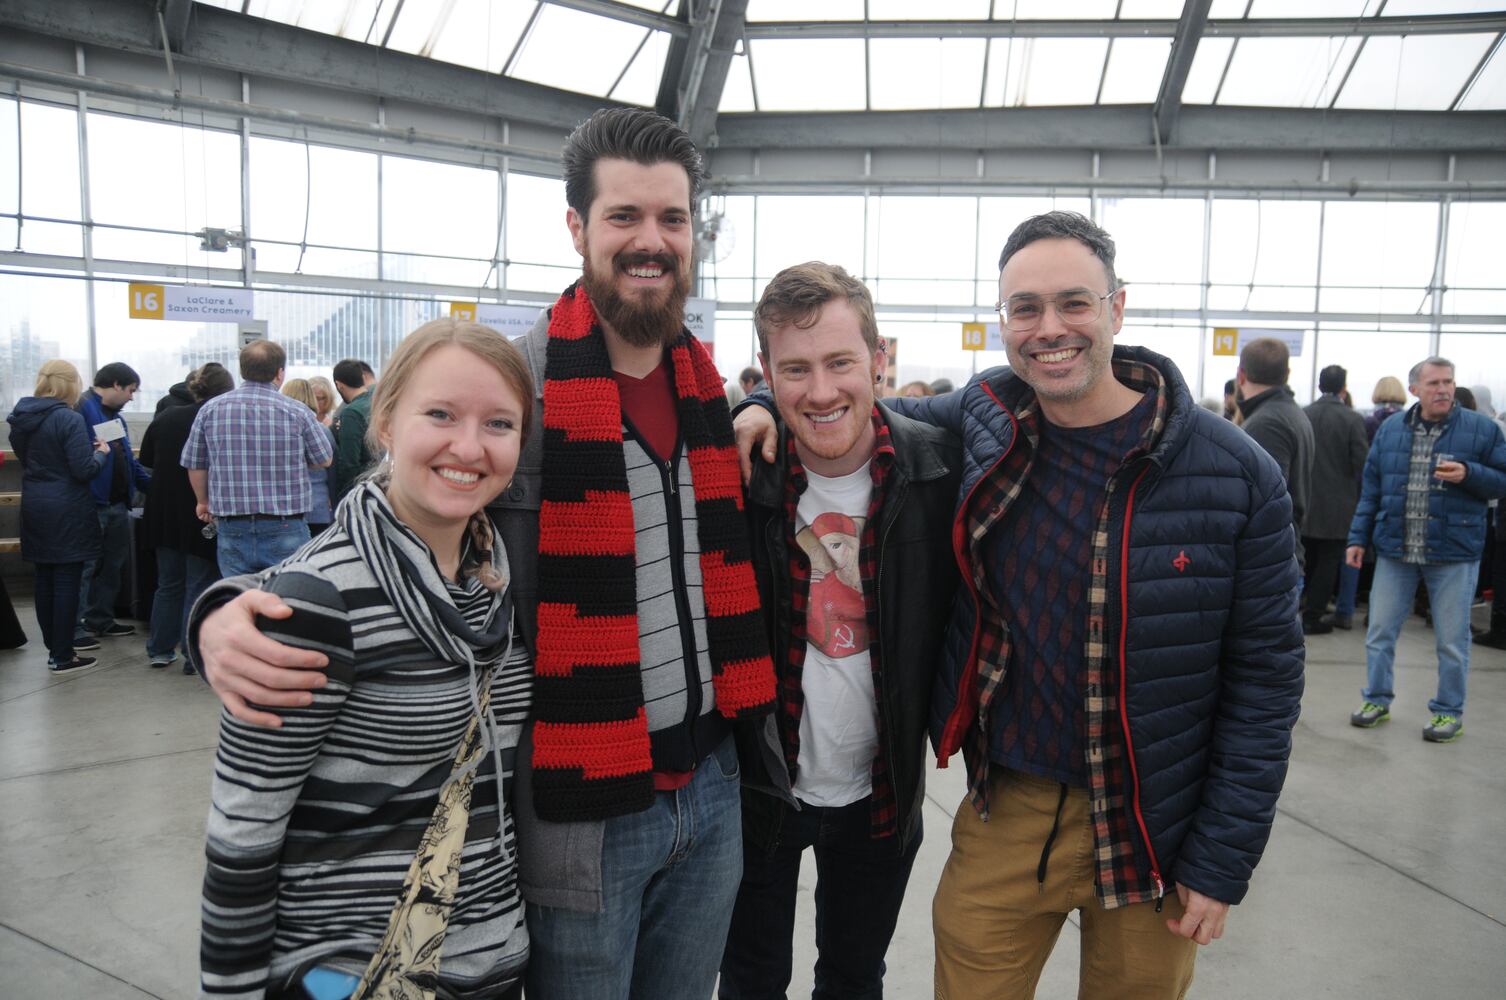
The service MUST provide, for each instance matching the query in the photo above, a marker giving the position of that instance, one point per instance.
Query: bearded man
(631, 577)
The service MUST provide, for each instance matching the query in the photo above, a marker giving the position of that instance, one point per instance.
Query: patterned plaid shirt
(884, 805)
(258, 446)
(1118, 878)
(1420, 486)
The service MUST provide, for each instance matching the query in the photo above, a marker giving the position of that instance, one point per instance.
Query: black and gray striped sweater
(313, 825)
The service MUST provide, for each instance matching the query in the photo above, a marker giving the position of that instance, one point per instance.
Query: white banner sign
(510, 321)
(192, 303)
(1291, 338)
(700, 319)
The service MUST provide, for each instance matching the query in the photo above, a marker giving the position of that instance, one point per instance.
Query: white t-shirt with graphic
(839, 724)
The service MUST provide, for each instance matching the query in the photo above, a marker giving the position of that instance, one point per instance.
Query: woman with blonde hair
(1389, 397)
(364, 846)
(321, 481)
(59, 524)
(324, 400)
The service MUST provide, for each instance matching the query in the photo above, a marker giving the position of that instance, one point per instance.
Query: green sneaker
(1370, 715)
(1443, 729)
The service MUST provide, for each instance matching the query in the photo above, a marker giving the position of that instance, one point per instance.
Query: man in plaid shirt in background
(248, 456)
(1124, 667)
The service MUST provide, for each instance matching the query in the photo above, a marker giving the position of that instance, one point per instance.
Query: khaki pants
(996, 925)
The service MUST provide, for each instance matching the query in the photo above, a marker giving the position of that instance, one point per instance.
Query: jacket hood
(29, 413)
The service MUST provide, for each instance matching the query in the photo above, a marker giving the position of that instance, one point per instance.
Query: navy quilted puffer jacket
(1456, 513)
(1202, 586)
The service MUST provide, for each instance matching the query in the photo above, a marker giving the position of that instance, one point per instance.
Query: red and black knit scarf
(591, 751)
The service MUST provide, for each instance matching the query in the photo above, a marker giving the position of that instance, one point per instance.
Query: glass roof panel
(809, 74)
(1489, 91)
(801, 10)
(286, 11)
(737, 93)
(1404, 8)
(1314, 8)
(1287, 72)
(931, 10)
(411, 29)
(1133, 75)
(1207, 70)
(640, 84)
(1413, 73)
(1044, 71)
(1133, 10)
(910, 73)
(481, 34)
(1227, 9)
(1055, 10)
(576, 51)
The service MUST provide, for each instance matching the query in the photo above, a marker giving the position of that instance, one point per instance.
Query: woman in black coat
(59, 524)
(186, 560)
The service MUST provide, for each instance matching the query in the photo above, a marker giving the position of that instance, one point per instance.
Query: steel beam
(1428, 24)
(1120, 128)
(629, 14)
(258, 47)
(1168, 106)
(175, 16)
(703, 77)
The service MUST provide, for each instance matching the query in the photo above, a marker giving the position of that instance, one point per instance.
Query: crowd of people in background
(229, 479)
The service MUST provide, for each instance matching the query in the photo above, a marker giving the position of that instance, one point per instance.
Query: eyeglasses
(1077, 307)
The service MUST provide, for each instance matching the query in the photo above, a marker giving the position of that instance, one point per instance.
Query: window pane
(1477, 361)
(997, 218)
(340, 203)
(1134, 72)
(48, 162)
(803, 10)
(737, 94)
(822, 74)
(640, 84)
(479, 33)
(1179, 343)
(1207, 70)
(1472, 268)
(1287, 72)
(42, 318)
(1413, 73)
(1044, 71)
(1386, 249)
(576, 51)
(162, 352)
(793, 228)
(437, 208)
(1489, 91)
(926, 72)
(1159, 249)
(1370, 355)
(537, 235)
(1270, 245)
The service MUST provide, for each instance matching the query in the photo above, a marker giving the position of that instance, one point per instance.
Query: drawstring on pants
(1056, 822)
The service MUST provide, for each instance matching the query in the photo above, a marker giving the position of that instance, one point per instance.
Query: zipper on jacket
(1129, 744)
(891, 514)
(675, 524)
(951, 733)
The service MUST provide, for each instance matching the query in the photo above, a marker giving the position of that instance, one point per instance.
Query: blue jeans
(669, 876)
(181, 578)
(250, 544)
(860, 883)
(1349, 589)
(1451, 589)
(101, 581)
(57, 607)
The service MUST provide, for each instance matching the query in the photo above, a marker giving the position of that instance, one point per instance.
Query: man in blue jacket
(1428, 478)
(1123, 667)
(117, 481)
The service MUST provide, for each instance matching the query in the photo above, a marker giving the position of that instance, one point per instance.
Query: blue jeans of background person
(249, 544)
(101, 580)
(181, 578)
(860, 883)
(57, 591)
(1451, 589)
(669, 875)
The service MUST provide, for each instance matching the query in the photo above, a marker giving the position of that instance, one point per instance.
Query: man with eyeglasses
(1124, 667)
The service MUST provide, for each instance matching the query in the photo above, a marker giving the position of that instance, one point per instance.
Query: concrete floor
(1385, 876)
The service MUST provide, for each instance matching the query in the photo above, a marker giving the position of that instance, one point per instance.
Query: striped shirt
(313, 825)
(258, 446)
(1420, 487)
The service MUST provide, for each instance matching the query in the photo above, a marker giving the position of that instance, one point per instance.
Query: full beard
(646, 321)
